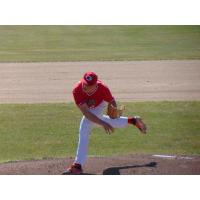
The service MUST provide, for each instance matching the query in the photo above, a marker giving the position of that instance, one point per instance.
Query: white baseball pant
(86, 127)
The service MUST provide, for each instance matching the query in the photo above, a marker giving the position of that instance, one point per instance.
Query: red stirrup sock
(131, 120)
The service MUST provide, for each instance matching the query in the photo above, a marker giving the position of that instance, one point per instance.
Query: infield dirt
(128, 81)
(130, 164)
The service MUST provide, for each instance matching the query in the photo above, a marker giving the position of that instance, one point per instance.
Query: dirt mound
(132, 164)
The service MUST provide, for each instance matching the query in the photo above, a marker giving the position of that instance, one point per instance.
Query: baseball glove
(114, 112)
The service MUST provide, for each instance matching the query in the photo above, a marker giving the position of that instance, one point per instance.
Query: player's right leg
(116, 123)
(137, 121)
(124, 121)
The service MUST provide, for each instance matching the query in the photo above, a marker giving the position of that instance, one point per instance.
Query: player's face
(89, 88)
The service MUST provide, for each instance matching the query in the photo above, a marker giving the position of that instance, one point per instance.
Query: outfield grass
(36, 131)
(91, 43)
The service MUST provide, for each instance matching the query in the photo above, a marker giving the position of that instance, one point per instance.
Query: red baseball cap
(89, 78)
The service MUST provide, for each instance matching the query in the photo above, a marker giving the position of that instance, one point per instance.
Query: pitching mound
(132, 164)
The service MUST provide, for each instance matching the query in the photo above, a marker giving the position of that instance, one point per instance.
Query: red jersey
(102, 93)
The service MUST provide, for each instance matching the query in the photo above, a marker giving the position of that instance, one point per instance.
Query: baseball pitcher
(92, 96)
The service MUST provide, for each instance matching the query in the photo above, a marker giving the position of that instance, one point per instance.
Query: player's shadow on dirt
(116, 170)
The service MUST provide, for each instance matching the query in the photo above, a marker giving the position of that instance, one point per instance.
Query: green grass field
(36, 131)
(91, 43)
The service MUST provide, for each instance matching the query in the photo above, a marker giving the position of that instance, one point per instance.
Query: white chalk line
(172, 156)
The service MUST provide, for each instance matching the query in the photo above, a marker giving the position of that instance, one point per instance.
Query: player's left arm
(113, 103)
(109, 97)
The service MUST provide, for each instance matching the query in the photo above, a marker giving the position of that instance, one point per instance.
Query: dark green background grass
(81, 43)
(36, 131)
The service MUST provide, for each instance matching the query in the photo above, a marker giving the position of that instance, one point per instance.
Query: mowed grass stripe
(98, 43)
(37, 131)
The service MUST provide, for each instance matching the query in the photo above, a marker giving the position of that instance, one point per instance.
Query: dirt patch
(129, 81)
(132, 164)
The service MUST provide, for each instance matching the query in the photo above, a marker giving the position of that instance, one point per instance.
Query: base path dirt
(128, 81)
(130, 164)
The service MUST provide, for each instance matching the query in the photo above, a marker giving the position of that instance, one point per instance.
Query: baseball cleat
(139, 124)
(75, 169)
